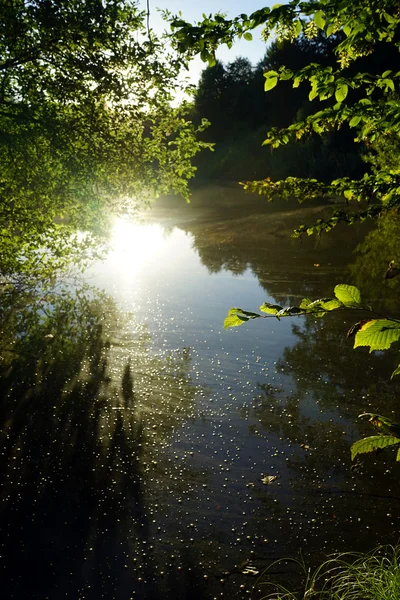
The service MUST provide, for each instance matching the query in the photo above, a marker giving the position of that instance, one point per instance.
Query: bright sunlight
(133, 245)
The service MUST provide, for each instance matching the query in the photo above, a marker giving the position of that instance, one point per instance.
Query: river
(149, 453)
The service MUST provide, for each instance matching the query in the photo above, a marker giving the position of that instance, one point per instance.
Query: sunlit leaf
(270, 309)
(354, 121)
(371, 443)
(348, 295)
(378, 334)
(305, 302)
(270, 83)
(235, 321)
(331, 304)
(319, 19)
(341, 92)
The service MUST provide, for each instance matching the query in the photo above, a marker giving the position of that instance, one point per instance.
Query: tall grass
(347, 576)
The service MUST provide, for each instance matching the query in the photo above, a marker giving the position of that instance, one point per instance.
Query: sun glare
(134, 245)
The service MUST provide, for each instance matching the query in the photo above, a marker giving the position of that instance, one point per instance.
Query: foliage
(389, 435)
(231, 96)
(363, 100)
(374, 333)
(86, 123)
(343, 576)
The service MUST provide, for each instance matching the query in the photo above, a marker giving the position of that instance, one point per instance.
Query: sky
(192, 10)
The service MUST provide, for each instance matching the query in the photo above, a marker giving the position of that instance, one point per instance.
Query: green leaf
(319, 19)
(354, 121)
(330, 29)
(348, 295)
(395, 372)
(377, 334)
(331, 304)
(347, 29)
(247, 36)
(389, 85)
(341, 92)
(270, 309)
(270, 83)
(235, 321)
(371, 443)
(305, 302)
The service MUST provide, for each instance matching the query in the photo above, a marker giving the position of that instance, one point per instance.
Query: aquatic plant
(344, 576)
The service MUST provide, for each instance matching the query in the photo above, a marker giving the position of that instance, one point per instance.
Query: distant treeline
(232, 97)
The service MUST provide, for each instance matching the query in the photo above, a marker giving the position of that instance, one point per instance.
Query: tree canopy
(353, 95)
(86, 122)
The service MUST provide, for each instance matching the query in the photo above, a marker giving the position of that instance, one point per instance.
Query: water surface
(148, 453)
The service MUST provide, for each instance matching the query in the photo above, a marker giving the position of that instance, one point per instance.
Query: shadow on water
(119, 479)
(85, 412)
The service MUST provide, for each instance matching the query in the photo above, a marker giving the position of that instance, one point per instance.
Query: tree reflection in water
(373, 254)
(334, 501)
(86, 411)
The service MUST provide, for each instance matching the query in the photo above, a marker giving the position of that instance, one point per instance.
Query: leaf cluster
(374, 333)
(86, 122)
(364, 101)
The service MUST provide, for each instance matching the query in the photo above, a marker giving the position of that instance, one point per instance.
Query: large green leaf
(235, 321)
(371, 443)
(348, 295)
(378, 334)
(319, 19)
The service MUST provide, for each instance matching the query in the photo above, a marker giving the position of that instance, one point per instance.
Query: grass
(347, 576)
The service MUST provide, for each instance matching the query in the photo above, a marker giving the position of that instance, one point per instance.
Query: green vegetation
(358, 93)
(86, 124)
(348, 55)
(377, 333)
(348, 576)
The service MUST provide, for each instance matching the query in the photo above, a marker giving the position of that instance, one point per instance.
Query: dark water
(136, 432)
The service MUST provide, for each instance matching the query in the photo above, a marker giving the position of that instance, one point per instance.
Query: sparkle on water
(172, 459)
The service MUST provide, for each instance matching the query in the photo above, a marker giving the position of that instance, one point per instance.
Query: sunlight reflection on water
(134, 245)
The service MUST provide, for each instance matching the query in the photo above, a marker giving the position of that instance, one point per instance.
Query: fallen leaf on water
(249, 570)
(305, 446)
(269, 479)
